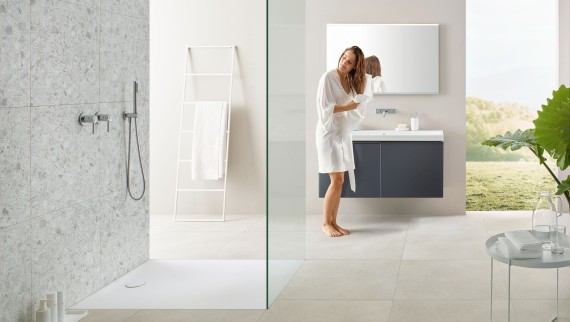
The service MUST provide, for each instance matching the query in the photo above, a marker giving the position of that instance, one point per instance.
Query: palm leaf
(552, 127)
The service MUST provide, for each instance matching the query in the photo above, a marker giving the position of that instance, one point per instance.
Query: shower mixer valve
(85, 119)
(104, 118)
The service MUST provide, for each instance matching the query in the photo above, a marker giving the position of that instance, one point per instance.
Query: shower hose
(129, 160)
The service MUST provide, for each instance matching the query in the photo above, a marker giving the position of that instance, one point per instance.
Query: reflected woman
(340, 108)
(374, 68)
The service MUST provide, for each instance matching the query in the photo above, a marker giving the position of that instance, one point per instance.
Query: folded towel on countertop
(508, 249)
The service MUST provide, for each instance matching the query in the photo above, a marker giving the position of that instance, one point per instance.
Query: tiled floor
(239, 237)
(397, 268)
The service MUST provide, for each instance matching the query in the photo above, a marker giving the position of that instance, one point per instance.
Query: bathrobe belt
(350, 163)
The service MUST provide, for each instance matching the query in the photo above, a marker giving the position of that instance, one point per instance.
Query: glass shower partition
(285, 143)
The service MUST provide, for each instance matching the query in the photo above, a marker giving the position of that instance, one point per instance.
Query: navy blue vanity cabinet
(366, 174)
(394, 169)
(411, 169)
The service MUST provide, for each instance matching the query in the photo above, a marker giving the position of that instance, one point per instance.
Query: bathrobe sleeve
(325, 102)
(357, 115)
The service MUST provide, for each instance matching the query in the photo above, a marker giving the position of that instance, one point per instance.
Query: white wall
(445, 111)
(564, 42)
(176, 24)
(564, 57)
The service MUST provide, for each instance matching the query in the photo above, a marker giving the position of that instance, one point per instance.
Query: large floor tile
(108, 315)
(531, 283)
(357, 245)
(233, 223)
(361, 223)
(188, 245)
(447, 311)
(448, 279)
(428, 245)
(506, 220)
(327, 311)
(343, 280)
(196, 316)
(541, 310)
(459, 222)
(247, 245)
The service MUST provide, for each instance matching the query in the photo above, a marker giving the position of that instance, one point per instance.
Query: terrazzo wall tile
(89, 3)
(65, 252)
(64, 158)
(113, 148)
(14, 53)
(124, 57)
(65, 53)
(59, 180)
(14, 165)
(133, 8)
(135, 176)
(124, 226)
(15, 293)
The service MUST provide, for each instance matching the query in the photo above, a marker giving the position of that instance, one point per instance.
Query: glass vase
(544, 215)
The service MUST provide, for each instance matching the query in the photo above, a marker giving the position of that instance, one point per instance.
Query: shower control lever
(104, 118)
(85, 119)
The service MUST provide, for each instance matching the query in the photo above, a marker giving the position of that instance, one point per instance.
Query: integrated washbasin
(393, 135)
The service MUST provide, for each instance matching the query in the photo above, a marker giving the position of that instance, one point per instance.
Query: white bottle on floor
(52, 306)
(43, 314)
(60, 307)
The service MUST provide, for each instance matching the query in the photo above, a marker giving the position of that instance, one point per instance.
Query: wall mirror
(408, 54)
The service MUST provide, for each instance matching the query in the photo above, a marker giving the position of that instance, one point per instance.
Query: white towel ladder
(192, 75)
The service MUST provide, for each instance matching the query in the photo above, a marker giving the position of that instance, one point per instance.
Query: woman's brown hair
(373, 66)
(356, 77)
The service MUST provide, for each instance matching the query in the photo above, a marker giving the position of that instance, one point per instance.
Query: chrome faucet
(383, 111)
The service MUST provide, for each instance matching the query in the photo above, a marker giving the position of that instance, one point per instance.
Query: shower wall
(66, 222)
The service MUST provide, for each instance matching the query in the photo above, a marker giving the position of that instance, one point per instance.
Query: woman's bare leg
(332, 199)
(335, 214)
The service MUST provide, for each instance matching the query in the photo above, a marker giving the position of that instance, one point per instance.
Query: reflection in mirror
(402, 58)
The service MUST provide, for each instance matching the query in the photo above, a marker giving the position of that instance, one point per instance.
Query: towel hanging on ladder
(209, 140)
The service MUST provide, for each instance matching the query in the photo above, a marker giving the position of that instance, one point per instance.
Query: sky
(512, 50)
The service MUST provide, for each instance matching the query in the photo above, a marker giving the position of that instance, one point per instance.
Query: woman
(374, 68)
(338, 112)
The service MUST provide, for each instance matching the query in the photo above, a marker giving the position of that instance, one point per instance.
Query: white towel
(508, 249)
(209, 140)
(524, 240)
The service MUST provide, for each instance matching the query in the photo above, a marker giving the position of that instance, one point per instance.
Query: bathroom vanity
(394, 164)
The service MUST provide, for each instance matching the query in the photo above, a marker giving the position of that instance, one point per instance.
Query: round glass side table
(548, 260)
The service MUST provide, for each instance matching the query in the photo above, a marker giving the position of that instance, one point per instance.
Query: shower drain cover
(133, 284)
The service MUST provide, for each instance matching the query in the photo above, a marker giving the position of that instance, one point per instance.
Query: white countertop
(393, 135)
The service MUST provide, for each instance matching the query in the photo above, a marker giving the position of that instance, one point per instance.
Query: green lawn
(506, 185)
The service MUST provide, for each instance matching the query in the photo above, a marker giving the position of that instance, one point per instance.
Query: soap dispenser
(415, 122)
(43, 314)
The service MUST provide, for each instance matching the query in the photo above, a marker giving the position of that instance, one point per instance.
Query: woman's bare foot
(341, 230)
(331, 231)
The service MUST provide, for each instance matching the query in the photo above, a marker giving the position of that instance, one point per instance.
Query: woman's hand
(351, 106)
(343, 108)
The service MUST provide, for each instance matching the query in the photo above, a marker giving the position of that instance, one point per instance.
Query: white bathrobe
(334, 143)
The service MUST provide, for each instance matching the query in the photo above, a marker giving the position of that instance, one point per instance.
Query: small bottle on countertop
(415, 122)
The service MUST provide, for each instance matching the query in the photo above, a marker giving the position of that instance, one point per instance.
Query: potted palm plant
(551, 134)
